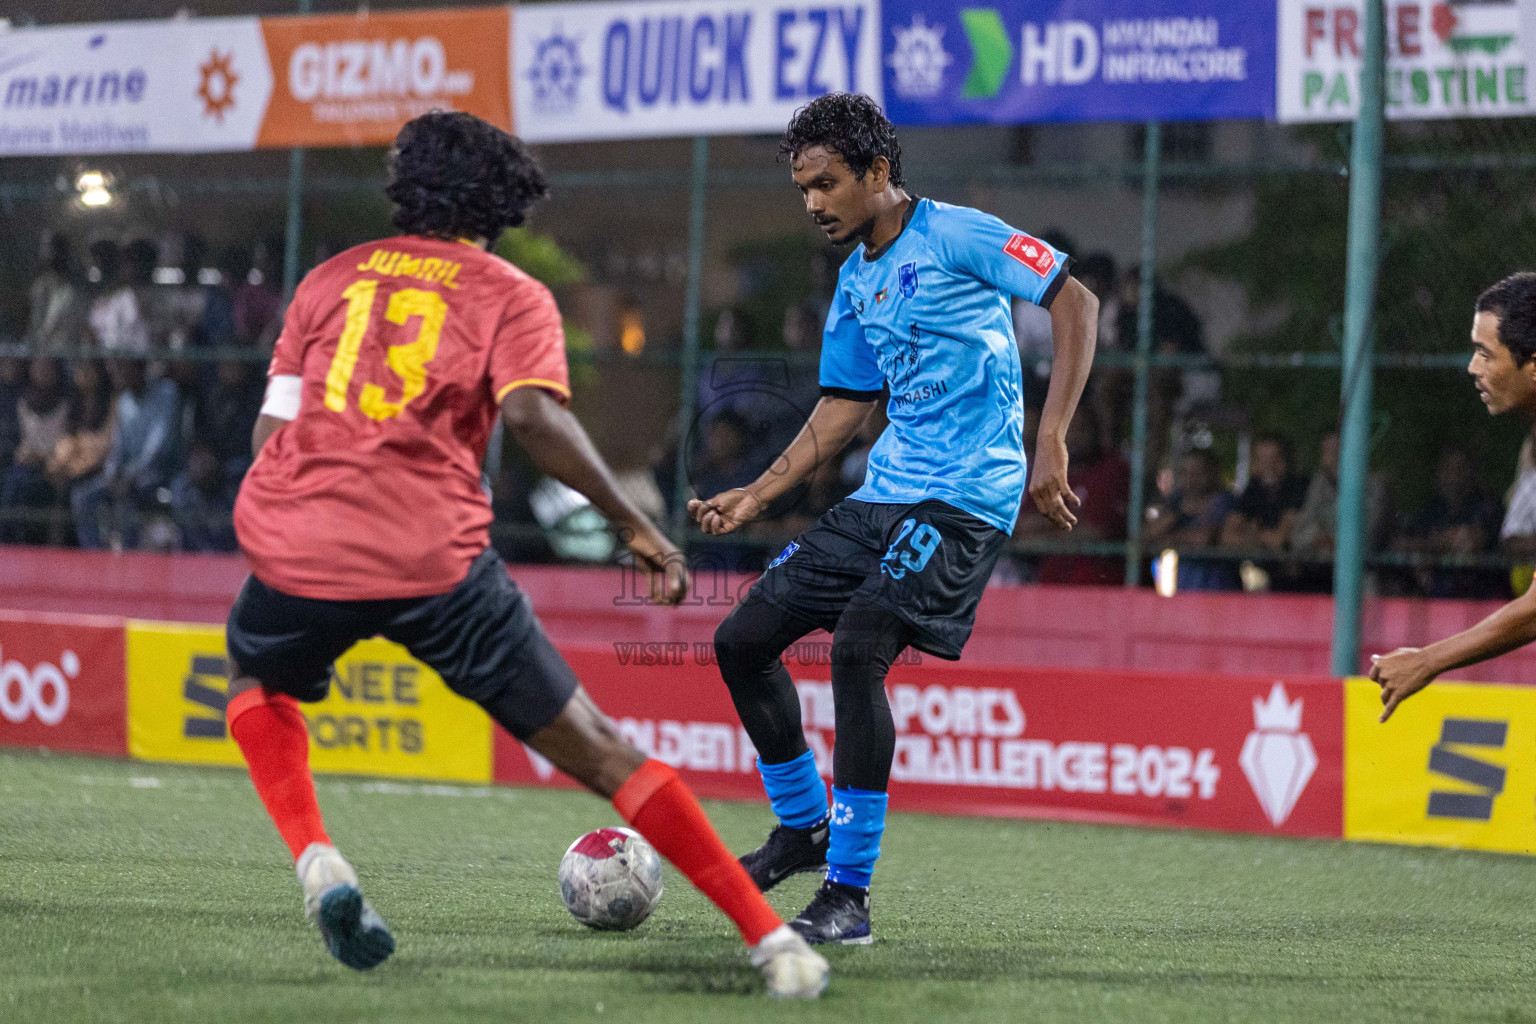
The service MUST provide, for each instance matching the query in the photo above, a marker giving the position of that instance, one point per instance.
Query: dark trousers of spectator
(92, 500)
(203, 519)
(23, 488)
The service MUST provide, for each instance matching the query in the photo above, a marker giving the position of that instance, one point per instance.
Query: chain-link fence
(1243, 382)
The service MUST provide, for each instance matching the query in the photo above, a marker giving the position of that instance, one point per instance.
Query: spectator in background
(203, 502)
(254, 298)
(43, 414)
(116, 318)
(56, 320)
(1313, 534)
(1192, 517)
(224, 413)
(1109, 389)
(1101, 479)
(1265, 514)
(141, 460)
(1176, 331)
(1460, 518)
(88, 429)
(13, 374)
(723, 463)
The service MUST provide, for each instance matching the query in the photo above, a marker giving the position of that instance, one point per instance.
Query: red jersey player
(364, 514)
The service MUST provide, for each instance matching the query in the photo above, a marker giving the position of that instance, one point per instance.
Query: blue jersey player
(922, 311)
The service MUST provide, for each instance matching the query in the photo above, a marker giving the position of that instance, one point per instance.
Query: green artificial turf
(138, 892)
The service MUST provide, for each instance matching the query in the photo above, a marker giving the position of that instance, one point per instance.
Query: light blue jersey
(931, 317)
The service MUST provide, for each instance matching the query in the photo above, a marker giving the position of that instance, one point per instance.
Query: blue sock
(858, 821)
(795, 790)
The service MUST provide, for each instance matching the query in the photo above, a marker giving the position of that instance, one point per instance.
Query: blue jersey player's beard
(860, 234)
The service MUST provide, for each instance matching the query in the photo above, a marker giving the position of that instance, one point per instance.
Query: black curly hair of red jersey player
(850, 125)
(452, 175)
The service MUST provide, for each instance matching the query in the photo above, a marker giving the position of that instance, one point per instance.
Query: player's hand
(1401, 674)
(725, 511)
(665, 563)
(1048, 484)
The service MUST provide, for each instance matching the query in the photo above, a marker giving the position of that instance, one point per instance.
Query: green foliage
(1446, 235)
(541, 257)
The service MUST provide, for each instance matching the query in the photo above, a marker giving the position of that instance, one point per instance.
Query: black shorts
(481, 637)
(927, 563)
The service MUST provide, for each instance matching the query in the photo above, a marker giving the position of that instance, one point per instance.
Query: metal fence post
(1359, 349)
(1151, 164)
(295, 223)
(698, 187)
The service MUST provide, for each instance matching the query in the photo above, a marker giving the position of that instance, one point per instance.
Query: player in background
(364, 514)
(922, 309)
(1504, 366)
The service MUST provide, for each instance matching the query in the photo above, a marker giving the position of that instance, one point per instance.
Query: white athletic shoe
(790, 967)
(353, 931)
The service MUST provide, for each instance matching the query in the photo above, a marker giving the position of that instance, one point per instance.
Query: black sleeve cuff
(1055, 286)
(850, 395)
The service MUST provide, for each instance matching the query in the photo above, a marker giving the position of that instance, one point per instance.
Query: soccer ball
(610, 879)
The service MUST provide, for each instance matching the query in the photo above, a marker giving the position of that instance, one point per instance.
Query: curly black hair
(452, 175)
(1513, 301)
(848, 124)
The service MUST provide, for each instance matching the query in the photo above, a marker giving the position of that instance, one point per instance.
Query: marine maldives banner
(61, 683)
(949, 61)
(1461, 59)
(633, 69)
(1251, 754)
(207, 84)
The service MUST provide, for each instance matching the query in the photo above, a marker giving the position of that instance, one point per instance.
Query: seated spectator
(224, 413)
(255, 300)
(43, 415)
(116, 318)
(203, 502)
(1101, 479)
(141, 460)
(1460, 518)
(1264, 515)
(1313, 534)
(724, 463)
(87, 431)
(56, 321)
(1192, 517)
(13, 381)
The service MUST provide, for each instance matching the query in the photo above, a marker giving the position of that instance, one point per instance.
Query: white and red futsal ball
(610, 879)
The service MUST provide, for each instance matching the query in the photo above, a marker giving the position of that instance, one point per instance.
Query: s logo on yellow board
(1455, 766)
(387, 714)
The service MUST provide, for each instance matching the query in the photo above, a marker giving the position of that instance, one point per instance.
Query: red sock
(271, 733)
(661, 808)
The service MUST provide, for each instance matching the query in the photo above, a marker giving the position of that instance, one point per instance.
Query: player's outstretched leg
(649, 795)
(270, 732)
(867, 640)
(747, 648)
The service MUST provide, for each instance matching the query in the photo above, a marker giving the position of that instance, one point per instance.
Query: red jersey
(406, 348)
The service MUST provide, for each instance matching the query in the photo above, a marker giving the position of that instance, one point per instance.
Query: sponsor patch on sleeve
(1031, 252)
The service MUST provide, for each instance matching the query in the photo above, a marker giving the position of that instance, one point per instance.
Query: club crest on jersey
(794, 546)
(1031, 252)
(906, 279)
(882, 295)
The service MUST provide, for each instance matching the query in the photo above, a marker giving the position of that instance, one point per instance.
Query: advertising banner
(633, 69)
(949, 61)
(387, 714)
(61, 683)
(1467, 59)
(208, 84)
(1454, 766)
(1233, 753)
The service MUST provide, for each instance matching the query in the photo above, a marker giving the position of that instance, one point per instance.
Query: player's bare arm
(1408, 670)
(832, 424)
(559, 445)
(1074, 333)
(266, 426)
